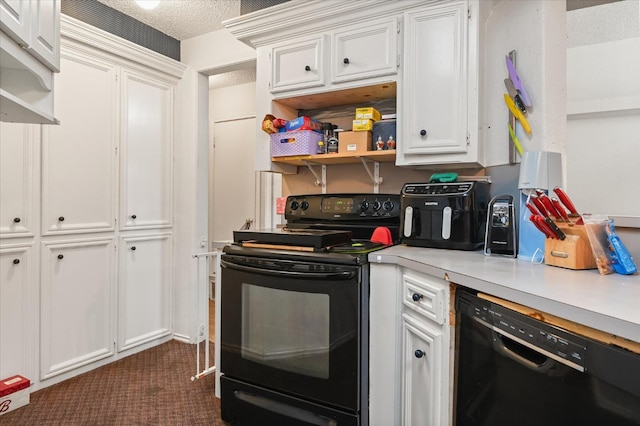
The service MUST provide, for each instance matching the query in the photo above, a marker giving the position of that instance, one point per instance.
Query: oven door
(293, 327)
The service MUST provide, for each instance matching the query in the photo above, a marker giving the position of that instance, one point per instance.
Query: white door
(77, 304)
(144, 289)
(16, 179)
(147, 149)
(79, 156)
(233, 192)
(16, 306)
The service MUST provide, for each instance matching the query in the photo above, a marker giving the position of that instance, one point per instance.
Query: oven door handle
(342, 275)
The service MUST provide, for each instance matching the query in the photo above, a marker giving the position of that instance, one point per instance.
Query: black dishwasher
(512, 369)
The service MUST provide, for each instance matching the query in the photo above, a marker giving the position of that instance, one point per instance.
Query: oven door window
(286, 330)
(293, 327)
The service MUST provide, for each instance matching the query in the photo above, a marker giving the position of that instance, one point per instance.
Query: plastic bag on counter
(610, 253)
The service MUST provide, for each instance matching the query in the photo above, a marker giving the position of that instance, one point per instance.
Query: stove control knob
(388, 205)
(294, 205)
(364, 205)
(376, 205)
(304, 205)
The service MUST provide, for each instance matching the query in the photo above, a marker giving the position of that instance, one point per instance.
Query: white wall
(536, 31)
(603, 106)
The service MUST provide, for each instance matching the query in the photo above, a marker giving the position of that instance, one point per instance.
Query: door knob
(307, 68)
(418, 353)
(416, 297)
(133, 248)
(133, 216)
(345, 60)
(423, 132)
(16, 220)
(16, 261)
(60, 256)
(61, 219)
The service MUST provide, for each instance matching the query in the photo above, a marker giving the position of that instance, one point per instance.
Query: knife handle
(539, 223)
(564, 198)
(560, 208)
(541, 208)
(546, 201)
(557, 231)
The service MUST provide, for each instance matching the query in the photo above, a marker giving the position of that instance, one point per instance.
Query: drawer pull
(416, 297)
(418, 353)
(307, 68)
(60, 256)
(16, 261)
(16, 220)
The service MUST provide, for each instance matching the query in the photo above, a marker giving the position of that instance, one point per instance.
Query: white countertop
(610, 303)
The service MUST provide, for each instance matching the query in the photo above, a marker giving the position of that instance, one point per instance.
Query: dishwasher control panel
(531, 332)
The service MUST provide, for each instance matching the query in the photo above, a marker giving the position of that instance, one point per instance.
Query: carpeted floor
(153, 387)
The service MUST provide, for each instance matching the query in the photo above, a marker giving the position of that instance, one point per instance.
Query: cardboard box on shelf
(362, 125)
(367, 113)
(14, 393)
(353, 142)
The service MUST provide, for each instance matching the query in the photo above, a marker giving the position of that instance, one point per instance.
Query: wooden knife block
(574, 252)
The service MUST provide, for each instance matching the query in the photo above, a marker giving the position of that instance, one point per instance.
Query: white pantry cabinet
(77, 304)
(410, 348)
(438, 107)
(146, 152)
(79, 167)
(17, 307)
(16, 179)
(144, 289)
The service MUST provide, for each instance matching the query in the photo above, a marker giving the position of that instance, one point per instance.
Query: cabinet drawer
(424, 297)
(297, 65)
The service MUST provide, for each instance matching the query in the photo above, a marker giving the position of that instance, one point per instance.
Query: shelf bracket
(375, 176)
(321, 180)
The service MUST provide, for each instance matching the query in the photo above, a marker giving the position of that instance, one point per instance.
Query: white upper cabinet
(16, 179)
(14, 20)
(79, 156)
(298, 65)
(146, 159)
(438, 107)
(29, 55)
(45, 32)
(364, 51)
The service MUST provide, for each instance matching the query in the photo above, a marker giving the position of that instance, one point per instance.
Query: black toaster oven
(444, 215)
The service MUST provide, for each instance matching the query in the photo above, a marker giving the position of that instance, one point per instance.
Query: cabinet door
(45, 32)
(434, 93)
(146, 161)
(14, 20)
(422, 368)
(77, 304)
(144, 289)
(79, 156)
(16, 312)
(298, 65)
(16, 179)
(365, 51)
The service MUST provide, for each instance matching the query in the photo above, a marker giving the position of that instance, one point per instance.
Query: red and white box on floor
(14, 393)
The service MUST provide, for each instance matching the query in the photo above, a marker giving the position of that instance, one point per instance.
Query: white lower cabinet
(144, 289)
(410, 348)
(16, 310)
(421, 368)
(77, 304)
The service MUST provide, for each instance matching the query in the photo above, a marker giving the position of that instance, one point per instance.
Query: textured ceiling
(181, 19)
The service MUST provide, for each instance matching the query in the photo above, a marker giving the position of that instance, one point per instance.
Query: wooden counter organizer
(574, 252)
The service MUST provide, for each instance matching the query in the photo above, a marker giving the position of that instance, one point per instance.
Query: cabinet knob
(16, 261)
(423, 132)
(133, 216)
(345, 60)
(60, 256)
(418, 353)
(307, 68)
(416, 297)
(133, 248)
(61, 219)
(16, 220)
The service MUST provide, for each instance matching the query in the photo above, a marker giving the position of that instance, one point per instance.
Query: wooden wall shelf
(340, 158)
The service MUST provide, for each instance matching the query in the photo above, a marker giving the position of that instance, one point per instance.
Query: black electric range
(295, 312)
